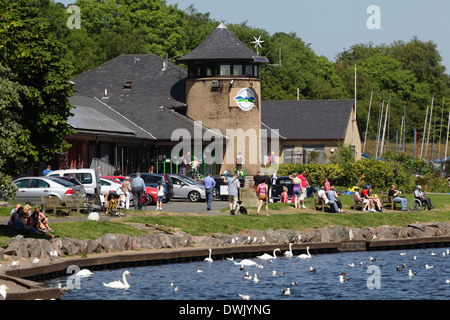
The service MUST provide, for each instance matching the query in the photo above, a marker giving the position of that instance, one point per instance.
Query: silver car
(187, 188)
(31, 189)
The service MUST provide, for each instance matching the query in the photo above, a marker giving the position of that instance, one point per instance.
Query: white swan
(266, 256)
(119, 284)
(288, 254)
(3, 290)
(305, 256)
(209, 259)
(245, 262)
(84, 273)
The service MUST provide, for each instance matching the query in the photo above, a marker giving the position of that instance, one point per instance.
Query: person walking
(305, 185)
(297, 189)
(263, 191)
(233, 191)
(126, 189)
(137, 188)
(209, 184)
(159, 196)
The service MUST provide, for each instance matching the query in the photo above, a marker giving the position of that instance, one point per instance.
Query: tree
(33, 54)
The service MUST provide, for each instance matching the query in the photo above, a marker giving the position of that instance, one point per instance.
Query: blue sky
(331, 26)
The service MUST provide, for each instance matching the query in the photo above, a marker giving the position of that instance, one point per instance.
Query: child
(159, 196)
(284, 195)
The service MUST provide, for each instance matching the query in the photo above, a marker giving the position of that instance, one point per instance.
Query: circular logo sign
(245, 99)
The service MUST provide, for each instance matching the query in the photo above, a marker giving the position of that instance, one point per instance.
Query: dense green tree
(30, 50)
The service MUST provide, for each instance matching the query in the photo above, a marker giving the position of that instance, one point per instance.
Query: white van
(88, 177)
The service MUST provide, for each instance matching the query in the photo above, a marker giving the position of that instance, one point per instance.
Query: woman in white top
(159, 196)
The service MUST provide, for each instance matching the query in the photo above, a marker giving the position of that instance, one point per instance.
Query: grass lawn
(282, 216)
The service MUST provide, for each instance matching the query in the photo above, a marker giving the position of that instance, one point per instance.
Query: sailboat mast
(367, 126)
(424, 132)
(429, 126)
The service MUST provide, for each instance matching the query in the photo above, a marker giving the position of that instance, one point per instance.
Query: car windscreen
(62, 182)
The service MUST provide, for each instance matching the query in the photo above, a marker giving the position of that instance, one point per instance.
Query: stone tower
(223, 91)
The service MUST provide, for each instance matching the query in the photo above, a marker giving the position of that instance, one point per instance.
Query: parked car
(78, 187)
(277, 189)
(151, 180)
(187, 188)
(88, 177)
(149, 197)
(31, 189)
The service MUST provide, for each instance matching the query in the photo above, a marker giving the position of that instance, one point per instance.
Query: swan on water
(305, 256)
(84, 273)
(3, 290)
(209, 259)
(246, 262)
(266, 256)
(119, 284)
(288, 254)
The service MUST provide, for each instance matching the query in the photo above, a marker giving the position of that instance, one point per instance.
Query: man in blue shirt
(137, 188)
(209, 184)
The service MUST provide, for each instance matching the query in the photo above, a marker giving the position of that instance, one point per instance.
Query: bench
(51, 203)
(318, 202)
(358, 205)
(95, 203)
(76, 202)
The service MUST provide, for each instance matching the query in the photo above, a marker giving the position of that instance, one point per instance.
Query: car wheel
(150, 200)
(194, 196)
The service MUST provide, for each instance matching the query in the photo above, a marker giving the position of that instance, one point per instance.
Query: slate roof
(221, 44)
(308, 119)
(139, 89)
(90, 115)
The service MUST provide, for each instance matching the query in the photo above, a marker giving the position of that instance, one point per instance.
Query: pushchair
(114, 204)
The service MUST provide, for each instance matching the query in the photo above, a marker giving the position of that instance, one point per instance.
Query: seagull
(255, 279)
(84, 273)
(3, 290)
(199, 271)
(275, 274)
(35, 260)
(351, 264)
(447, 281)
(342, 279)
(411, 274)
(305, 256)
(259, 266)
(399, 268)
(14, 264)
(247, 276)
(244, 296)
(428, 267)
(298, 238)
(176, 289)
(209, 259)
(53, 254)
(433, 253)
(288, 254)
(402, 253)
(293, 283)
(372, 259)
(414, 258)
(247, 240)
(312, 270)
(286, 291)
(230, 259)
(262, 240)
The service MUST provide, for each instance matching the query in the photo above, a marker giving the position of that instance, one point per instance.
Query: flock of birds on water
(124, 285)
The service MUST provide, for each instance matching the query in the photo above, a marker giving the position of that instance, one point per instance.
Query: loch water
(224, 280)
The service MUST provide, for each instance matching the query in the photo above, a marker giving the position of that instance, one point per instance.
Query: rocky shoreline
(19, 247)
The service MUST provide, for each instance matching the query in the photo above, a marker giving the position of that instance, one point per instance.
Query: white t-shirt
(323, 195)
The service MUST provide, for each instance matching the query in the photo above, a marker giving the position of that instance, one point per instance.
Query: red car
(149, 194)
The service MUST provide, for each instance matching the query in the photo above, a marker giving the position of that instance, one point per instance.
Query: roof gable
(221, 44)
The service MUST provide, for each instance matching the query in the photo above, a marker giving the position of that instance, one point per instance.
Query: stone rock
(94, 216)
(248, 197)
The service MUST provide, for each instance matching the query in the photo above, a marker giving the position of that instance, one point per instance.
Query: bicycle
(114, 206)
